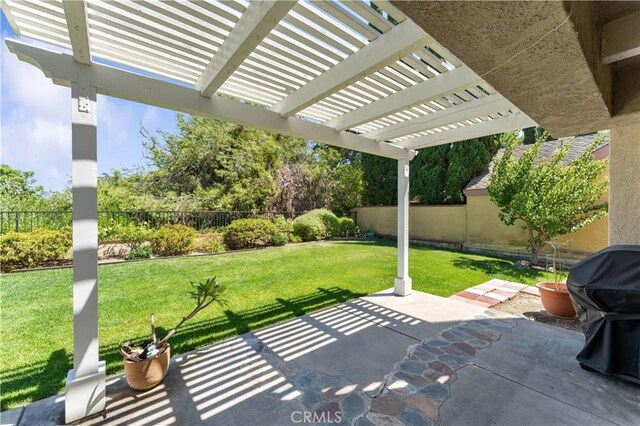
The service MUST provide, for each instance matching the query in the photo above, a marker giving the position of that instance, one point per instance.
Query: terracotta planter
(557, 303)
(149, 373)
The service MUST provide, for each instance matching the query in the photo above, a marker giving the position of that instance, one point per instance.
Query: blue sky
(35, 123)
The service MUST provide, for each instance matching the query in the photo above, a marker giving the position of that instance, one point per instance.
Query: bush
(294, 239)
(279, 239)
(316, 225)
(283, 225)
(348, 227)
(141, 252)
(217, 247)
(209, 242)
(249, 233)
(31, 249)
(172, 240)
(131, 235)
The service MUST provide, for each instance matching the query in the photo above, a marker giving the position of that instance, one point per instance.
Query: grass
(265, 287)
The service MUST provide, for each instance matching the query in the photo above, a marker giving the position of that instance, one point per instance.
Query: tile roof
(578, 145)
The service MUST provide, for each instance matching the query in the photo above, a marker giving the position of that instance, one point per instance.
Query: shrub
(279, 239)
(141, 252)
(217, 247)
(131, 235)
(209, 242)
(248, 233)
(31, 249)
(283, 225)
(294, 239)
(316, 225)
(348, 227)
(172, 240)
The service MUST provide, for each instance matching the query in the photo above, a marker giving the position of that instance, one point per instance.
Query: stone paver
(492, 292)
(420, 383)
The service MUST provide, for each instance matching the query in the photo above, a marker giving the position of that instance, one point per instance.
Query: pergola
(353, 74)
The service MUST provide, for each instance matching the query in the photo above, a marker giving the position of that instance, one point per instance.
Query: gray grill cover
(605, 290)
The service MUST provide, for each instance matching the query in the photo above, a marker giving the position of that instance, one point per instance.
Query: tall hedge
(438, 174)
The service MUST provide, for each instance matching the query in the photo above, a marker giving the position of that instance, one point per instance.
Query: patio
(380, 359)
(369, 80)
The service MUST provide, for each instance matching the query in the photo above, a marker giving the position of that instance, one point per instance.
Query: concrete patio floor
(380, 359)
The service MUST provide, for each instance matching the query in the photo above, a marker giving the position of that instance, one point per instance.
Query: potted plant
(147, 364)
(554, 295)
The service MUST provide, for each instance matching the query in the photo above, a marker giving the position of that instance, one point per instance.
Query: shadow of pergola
(41, 379)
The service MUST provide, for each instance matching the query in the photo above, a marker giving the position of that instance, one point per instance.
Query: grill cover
(605, 290)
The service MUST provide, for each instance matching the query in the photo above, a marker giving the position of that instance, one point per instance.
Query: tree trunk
(535, 247)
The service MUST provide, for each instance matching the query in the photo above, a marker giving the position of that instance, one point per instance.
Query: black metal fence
(24, 221)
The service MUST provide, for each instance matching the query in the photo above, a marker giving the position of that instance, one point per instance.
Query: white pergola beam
(75, 11)
(396, 43)
(471, 131)
(407, 98)
(478, 108)
(253, 26)
(621, 38)
(63, 70)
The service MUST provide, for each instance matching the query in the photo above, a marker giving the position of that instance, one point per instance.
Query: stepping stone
(534, 291)
(496, 296)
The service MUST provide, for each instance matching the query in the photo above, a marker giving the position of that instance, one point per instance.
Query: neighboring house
(476, 225)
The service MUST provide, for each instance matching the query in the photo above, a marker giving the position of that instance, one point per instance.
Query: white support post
(85, 392)
(402, 283)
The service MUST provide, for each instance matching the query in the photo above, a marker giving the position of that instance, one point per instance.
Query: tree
(380, 180)
(549, 196)
(18, 189)
(466, 160)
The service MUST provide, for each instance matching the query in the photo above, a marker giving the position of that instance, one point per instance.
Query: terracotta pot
(557, 303)
(143, 375)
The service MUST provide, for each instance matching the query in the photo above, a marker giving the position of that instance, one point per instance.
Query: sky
(35, 123)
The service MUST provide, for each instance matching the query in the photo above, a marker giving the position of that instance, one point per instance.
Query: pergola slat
(110, 81)
(407, 98)
(401, 40)
(256, 23)
(477, 108)
(490, 127)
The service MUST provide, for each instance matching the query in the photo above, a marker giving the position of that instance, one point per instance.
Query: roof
(348, 66)
(578, 145)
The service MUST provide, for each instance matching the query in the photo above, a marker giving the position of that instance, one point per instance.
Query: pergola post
(624, 185)
(85, 391)
(402, 283)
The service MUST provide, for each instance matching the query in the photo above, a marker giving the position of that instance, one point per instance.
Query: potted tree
(553, 294)
(147, 364)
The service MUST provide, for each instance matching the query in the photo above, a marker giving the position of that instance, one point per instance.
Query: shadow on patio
(421, 359)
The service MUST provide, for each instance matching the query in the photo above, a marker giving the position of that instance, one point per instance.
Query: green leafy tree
(380, 180)
(549, 196)
(428, 172)
(466, 160)
(18, 189)
(19, 192)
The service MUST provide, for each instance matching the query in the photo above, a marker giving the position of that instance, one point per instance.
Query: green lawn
(265, 287)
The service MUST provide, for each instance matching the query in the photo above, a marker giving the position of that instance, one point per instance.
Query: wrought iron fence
(23, 221)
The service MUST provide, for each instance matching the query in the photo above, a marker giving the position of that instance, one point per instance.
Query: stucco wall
(486, 231)
(434, 223)
(476, 225)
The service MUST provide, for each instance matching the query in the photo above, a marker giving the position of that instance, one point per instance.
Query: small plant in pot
(554, 295)
(147, 364)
